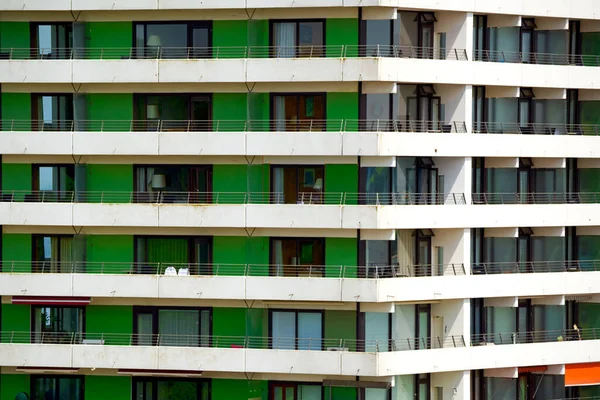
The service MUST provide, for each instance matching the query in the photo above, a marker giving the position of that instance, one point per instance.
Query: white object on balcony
(337, 349)
(93, 341)
(170, 271)
(184, 271)
(152, 111)
(159, 181)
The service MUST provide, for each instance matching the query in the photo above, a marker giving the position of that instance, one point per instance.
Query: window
(52, 112)
(189, 327)
(297, 184)
(52, 40)
(173, 184)
(298, 112)
(56, 253)
(480, 40)
(153, 254)
(295, 391)
(54, 178)
(300, 330)
(170, 389)
(173, 112)
(56, 387)
(298, 38)
(297, 257)
(57, 324)
(173, 40)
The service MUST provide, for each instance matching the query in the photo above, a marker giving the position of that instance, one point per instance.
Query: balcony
(537, 58)
(329, 283)
(535, 128)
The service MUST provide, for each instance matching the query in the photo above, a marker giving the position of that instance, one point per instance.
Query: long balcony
(329, 283)
(264, 138)
(253, 64)
(253, 354)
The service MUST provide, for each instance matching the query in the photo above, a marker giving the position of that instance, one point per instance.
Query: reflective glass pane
(310, 331)
(283, 330)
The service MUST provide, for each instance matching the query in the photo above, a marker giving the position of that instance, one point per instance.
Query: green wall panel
(589, 180)
(258, 107)
(110, 249)
(229, 34)
(341, 325)
(341, 178)
(15, 35)
(107, 387)
(16, 177)
(15, 318)
(110, 178)
(590, 45)
(228, 322)
(340, 32)
(13, 384)
(226, 389)
(340, 252)
(17, 107)
(109, 107)
(590, 113)
(110, 319)
(16, 247)
(340, 393)
(589, 391)
(239, 179)
(258, 34)
(341, 106)
(229, 111)
(589, 315)
(231, 253)
(257, 325)
(116, 36)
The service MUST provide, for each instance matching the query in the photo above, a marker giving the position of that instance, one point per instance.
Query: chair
(171, 271)
(183, 272)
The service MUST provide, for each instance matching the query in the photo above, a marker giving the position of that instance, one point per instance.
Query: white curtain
(405, 251)
(280, 113)
(285, 39)
(278, 249)
(278, 185)
(180, 327)
(284, 330)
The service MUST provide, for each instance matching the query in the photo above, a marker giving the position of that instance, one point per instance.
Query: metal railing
(235, 52)
(219, 269)
(526, 267)
(168, 197)
(536, 198)
(536, 58)
(232, 342)
(308, 125)
(535, 128)
(561, 335)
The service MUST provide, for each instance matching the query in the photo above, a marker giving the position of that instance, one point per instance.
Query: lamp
(318, 184)
(152, 111)
(159, 181)
(153, 41)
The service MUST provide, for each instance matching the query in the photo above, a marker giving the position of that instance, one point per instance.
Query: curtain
(278, 185)
(168, 252)
(144, 329)
(278, 256)
(180, 327)
(283, 330)
(285, 39)
(280, 121)
(405, 251)
(310, 331)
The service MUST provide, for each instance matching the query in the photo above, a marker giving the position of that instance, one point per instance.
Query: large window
(56, 253)
(51, 112)
(173, 184)
(54, 178)
(297, 257)
(298, 112)
(188, 327)
(298, 38)
(52, 40)
(297, 184)
(300, 330)
(57, 324)
(170, 389)
(173, 40)
(295, 391)
(185, 255)
(173, 112)
(48, 387)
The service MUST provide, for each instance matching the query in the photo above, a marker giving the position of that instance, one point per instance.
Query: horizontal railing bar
(536, 58)
(535, 198)
(537, 128)
(522, 267)
(559, 335)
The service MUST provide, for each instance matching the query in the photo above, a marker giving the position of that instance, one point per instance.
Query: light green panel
(243, 178)
(17, 107)
(226, 389)
(341, 178)
(258, 107)
(107, 387)
(13, 384)
(229, 34)
(15, 318)
(116, 36)
(340, 252)
(239, 250)
(258, 34)
(339, 32)
(589, 315)
(110, 178)
(229, 111)
(229, 322)
(341, 325)
(109, 248)
(16, 176)
(15, 35)
(105, 107)
(257, 325)
(110, 319)
(341, 106)
(16, 247)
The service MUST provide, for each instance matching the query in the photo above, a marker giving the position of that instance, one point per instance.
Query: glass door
(144, 323)
(527, 45)
(423, 315)
(201, 113)
(423, 254)
(283, 391)
(201, 47)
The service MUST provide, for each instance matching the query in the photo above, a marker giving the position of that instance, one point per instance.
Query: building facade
(299, 199)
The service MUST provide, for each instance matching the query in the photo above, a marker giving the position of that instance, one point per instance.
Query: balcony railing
(239, 342)
(535, 128)
(308, 125)
(537, 58)
(527, 267)
(561, 335)
(235, 52)
(217, 269)
(536, 198)
(166, 197)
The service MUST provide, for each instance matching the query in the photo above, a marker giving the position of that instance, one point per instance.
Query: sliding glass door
(186, 255)
(170, 389)
(297, 257)
(298, 38)
(52, 112)
(299, 330)
(298, 112)
(52, 40)
(189, 327)
(173, 40)
(62, 325)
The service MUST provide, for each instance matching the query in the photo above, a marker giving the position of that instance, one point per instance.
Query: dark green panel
(341, 178)
(229, 112)
(110, 319)
(589, 391)
(589, 315)
(341, 32)
(341, 106)
(16, 109)
(109, 40)
(16, 247)
(340, 325)
(228, 34)
(590, 45)
(107, 387)
(229, 322)
(15, 35)
(226, 389)
(13, 384)
(341, 252)
(590, 113)
(589, 180)
(110, 178)
(340, 393)
(16, 318)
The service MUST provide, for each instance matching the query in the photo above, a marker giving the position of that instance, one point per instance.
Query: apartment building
(299, 199)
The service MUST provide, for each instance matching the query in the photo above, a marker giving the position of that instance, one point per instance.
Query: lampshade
(159, 181)
(318, 184)
(153, 41)
(152, 111)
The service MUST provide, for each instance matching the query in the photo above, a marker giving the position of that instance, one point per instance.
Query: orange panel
(582, 374)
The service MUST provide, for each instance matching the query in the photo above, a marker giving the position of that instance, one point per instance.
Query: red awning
(52, 301)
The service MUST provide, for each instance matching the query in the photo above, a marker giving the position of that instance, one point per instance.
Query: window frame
(298, 240)
(192, 241)
(154, 381)
(36, 118)
(295, 385)
(57, 377)
(296, 311)
(191, 25)
(32, 318)
(298, 21)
